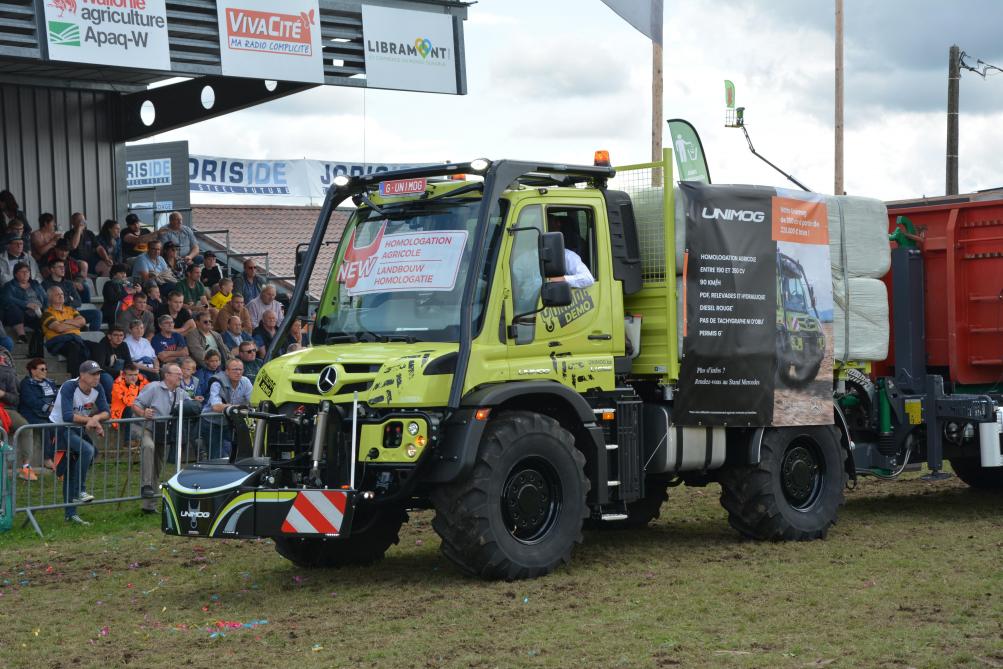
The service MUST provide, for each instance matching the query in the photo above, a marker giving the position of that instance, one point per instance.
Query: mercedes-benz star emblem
(327, 379)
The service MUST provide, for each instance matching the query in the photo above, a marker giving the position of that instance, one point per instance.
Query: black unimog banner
(757, 325)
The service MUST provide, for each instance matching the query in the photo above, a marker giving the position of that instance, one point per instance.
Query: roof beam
(180, 104)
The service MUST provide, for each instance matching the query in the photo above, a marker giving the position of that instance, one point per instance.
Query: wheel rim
(531, 500)
(802, 473)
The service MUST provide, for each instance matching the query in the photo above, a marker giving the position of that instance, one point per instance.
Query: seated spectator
(265, 302)
(135, 238)
(81, 243)
(23, 301)
(248, 354)
(168, 344)
(17, 229)
(137, 311)
(141, 351)
(108, 248)
(10, 211)
(57, 277)
(112, 353)
(297, 337)
(235, 307)
(249, 283)
(114, 291)
(175, 308)
(234, 335)
(182, 236)
(202, 339)
(74, 269)
(153, 298)
(80, 401)
(156, 400)
(12, 256)
(210, 366)
(223, 294)
(194, 293)
(38, 394)
(190, 382)
(44, 239)
(265, 332)
(226, 389)
(212, 274)
(174, 263)
(61, 325)
(10, 399)
(152, 267)
(124, 392)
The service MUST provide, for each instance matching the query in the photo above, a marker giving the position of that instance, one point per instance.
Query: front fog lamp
(412, 428)
(411, 450)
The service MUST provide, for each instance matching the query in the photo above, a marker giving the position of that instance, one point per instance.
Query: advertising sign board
(125, 32)
(409, 51)
(264, 39)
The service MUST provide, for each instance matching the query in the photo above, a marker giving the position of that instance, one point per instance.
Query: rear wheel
(971, 471)
(520, 511)
(794, 491)
(377, 531)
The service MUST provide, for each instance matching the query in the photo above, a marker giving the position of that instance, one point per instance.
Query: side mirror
(811, 292)
(300, 260)
(555, 293)
(552, 254)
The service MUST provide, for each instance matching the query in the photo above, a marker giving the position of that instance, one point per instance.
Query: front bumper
(224, 500)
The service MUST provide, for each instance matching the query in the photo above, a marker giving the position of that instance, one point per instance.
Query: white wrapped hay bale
(863, 229)
(867, 326)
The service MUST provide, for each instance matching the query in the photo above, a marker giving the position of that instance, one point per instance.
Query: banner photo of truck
(755, 352)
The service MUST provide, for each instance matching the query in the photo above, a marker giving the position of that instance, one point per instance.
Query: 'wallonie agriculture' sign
(109, 32)
(264, 39)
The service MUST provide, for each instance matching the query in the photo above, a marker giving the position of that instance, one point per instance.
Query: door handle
(598, 335)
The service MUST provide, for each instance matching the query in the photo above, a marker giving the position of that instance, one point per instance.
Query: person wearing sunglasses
(202, 339)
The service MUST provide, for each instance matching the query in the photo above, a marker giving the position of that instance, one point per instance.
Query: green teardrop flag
(688, 150)
(729, 94)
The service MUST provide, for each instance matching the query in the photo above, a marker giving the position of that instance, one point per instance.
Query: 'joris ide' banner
(758, 308)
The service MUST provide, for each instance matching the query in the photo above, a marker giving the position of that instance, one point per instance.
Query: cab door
(572, 344)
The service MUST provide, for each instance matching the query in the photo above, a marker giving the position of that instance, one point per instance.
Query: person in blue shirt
(82, 402)
(168, 344)
(37, 395)
(151, 266)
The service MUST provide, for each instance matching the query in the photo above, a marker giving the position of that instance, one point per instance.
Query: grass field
(911, 576)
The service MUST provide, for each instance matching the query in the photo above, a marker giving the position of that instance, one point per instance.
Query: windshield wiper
(469, 188)
(333, 337)
(407, 339)
(369, 203)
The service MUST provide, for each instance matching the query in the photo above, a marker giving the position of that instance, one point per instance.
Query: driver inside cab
(578, 275)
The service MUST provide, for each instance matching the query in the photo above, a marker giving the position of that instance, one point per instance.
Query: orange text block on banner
(799, 221)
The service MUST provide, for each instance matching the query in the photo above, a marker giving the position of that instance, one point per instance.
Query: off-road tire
(366, 546)
(765, 503)
(529, 474)
(640, 512)
(800, 376)
(970, 471)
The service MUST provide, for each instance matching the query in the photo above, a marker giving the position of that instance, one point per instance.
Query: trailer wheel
(795, 490)
(520, 511)
(640, 512)
(377, 531)
(971, 471)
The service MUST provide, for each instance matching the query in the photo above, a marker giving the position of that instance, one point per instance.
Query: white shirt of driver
(578, 275)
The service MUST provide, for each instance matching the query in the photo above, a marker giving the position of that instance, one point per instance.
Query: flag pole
(839, 187)
(656, 110)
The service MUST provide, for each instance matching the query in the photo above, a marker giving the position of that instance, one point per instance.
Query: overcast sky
(554, 80)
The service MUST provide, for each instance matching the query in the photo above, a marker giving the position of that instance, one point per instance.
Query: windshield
(794, 295)
(400, 274)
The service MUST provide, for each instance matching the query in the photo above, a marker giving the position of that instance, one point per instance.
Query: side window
(578, 227)
(525, 261)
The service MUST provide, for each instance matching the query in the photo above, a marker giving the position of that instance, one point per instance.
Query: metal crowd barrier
(109, 468)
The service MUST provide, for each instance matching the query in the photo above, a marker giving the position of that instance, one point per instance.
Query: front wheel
(519, 513)
(378, 530)
(794, 492)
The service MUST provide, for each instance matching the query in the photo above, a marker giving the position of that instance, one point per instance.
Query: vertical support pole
(838, 187)
(953, 92)
(656, 107)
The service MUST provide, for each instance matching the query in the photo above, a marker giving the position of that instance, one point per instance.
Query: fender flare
(462, 431)
(756, 442)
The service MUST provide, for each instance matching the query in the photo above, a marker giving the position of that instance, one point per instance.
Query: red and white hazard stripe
(316, 512)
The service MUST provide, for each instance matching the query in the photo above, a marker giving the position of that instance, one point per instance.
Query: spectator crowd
(175, 328)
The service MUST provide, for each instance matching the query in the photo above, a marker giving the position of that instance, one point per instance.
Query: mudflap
(223, 500)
